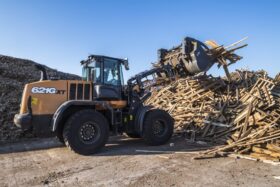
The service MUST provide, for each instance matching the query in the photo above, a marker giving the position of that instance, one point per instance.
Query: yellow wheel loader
(82, 113)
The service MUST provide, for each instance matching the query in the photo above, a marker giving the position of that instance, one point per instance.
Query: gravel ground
(45, 162)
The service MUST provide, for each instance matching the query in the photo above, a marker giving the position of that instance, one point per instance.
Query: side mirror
(125, 63)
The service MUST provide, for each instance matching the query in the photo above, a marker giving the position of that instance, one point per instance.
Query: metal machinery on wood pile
(82, 113)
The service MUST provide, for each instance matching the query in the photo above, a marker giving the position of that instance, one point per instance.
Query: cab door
(108, 82)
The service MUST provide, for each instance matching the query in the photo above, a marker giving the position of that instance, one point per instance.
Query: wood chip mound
(14, 74)
(242, 116)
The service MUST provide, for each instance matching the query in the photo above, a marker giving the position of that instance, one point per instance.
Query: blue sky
(60, 33)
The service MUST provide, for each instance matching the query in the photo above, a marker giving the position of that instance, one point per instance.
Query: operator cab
(106, 75)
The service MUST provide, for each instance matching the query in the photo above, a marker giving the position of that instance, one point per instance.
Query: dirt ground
(45, 162)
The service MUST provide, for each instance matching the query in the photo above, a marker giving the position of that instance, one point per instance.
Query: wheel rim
(89, 132)
(159, 128)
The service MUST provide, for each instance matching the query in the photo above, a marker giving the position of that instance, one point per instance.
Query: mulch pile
(14, 74)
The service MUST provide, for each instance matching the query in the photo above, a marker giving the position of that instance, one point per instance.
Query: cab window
(92, 72)
(112, 72)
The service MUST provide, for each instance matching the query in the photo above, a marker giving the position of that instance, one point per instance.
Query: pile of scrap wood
(241, 115)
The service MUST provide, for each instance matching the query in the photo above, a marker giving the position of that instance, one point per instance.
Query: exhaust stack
(43, 71)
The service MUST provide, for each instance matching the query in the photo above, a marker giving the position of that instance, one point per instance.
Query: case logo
(45, 90)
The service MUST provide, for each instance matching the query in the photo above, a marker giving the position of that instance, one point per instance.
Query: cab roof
(101, 58)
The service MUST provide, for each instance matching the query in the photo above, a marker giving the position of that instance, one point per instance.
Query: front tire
(86, 132)
(158, 127)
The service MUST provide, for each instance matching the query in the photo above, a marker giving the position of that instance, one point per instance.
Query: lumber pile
(241, 115)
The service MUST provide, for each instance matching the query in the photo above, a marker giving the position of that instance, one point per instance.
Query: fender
(140, 116)
(59, 112)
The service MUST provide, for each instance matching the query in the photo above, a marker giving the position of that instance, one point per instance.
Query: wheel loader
(83, 113)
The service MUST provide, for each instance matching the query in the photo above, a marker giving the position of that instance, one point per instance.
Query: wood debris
(241, 115)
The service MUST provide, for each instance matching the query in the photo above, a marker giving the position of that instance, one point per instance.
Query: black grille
(79, 91)
(72, 95)
(87, 92)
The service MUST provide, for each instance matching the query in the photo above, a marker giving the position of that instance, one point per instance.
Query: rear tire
(158, 127)
(86, 132)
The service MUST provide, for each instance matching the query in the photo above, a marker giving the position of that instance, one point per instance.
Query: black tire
(158, 127)
(133, 135)
(86, 132)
